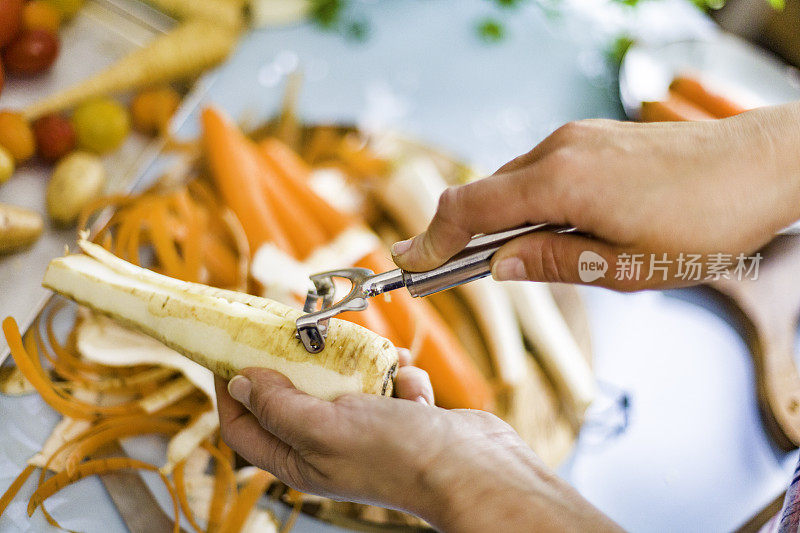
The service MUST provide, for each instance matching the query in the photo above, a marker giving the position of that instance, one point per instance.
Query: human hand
(460, 470)
(702, 188)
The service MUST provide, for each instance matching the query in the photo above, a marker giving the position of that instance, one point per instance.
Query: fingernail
(511, 268)
(401, 247)
(239, 388)
(423, 400)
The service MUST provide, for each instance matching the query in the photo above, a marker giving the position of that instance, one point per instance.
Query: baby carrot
(235, 170)
(674, 108)
(697, 93)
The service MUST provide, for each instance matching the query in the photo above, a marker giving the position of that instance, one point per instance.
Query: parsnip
(497, 323)
(225, 12)
(271, 13)
(556, 349)
(224, 331)
(184, 52)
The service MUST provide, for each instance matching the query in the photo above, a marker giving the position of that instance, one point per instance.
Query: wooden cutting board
(769, 307)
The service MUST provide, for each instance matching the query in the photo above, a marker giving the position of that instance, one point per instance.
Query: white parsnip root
(224, 331)
(184, 52)
(556, 349)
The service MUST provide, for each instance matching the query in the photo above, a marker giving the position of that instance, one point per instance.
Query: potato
(19, 227)
(77, 179)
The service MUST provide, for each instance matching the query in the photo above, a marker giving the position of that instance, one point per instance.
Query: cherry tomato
(33, 52)
(10, 20)
(55, 136)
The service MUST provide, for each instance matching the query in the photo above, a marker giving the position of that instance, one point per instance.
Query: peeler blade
(312, 327)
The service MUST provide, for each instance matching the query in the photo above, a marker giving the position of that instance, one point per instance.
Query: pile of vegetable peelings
(74, 127)
(251, 213)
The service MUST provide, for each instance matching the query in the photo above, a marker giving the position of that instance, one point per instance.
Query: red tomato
(55, 136)
(33, 52)
(10, 20)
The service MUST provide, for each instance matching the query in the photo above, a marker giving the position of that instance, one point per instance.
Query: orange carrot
(180, 491)
(235, 170)
(244, 502)
(295, 174)
(95, 467)
(674, 108)
(302, 230)
(131, 426)
(13, 489)
(220, 261)
(457, 382)
(31, 370)
(694, 91)
(224, 484)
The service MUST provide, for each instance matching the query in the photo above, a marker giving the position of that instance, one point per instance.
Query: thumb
(560, 258)
(280, 408)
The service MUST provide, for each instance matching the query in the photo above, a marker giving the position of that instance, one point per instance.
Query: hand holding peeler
(472, 263)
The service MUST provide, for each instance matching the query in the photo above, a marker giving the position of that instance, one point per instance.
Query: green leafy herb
(508, 3)
(357, 30)
(327, 13)
(490, 30)
(618, 49)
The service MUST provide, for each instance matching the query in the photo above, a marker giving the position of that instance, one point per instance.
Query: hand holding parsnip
(461, 470)
(723, 186)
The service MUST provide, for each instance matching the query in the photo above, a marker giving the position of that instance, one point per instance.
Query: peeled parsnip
(225, 12)
(495, 315)
(270, 13)
(411, 195)
(185, 51)
(544, 327)
(224, 331)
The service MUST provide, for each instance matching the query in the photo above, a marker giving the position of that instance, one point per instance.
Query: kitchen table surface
(694, 456)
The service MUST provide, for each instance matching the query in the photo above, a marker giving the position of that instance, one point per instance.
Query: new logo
(591, 266)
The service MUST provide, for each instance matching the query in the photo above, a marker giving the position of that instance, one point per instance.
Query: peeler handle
(472, 263)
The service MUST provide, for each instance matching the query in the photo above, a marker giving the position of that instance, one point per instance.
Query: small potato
(19, 227)
(77, 179)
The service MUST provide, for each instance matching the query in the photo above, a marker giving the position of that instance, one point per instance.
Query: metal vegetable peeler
(468, 265)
